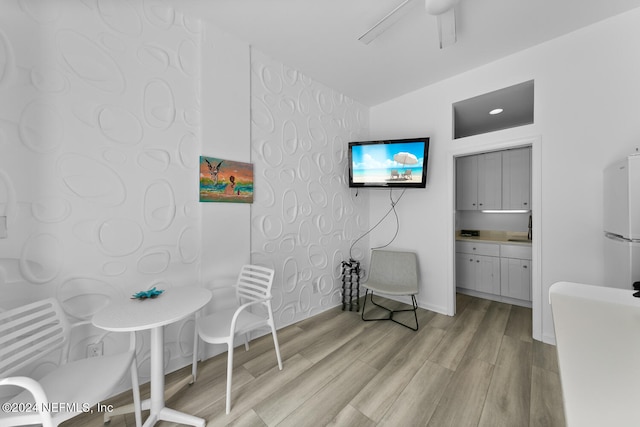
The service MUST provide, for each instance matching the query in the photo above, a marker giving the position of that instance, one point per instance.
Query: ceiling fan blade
(390, 18)
(447, 28)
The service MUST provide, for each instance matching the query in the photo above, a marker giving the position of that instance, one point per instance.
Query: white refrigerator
(621, 217)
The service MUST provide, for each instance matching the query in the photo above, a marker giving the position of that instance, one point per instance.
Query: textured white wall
(226, 134)
(100, 133)
(304, 217)
(99, 146)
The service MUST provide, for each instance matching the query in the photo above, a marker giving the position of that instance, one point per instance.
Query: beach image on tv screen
(387, 163)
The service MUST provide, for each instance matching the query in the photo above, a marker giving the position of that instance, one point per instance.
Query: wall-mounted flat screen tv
(389, 163)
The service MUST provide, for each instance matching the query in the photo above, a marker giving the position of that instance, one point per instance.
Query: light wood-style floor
(479, 368)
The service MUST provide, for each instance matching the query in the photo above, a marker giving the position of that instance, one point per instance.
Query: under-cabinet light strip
(505, 211)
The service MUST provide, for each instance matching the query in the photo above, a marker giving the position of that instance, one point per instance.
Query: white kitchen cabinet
(465, 271)
(515, 271)
(516, 178)
(479, 181)
(497, 271)
(467, 183)
(478, 267)
(488, 274)
(515, 279)
(490, 180)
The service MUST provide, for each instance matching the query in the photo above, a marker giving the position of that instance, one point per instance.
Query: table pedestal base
(171, 415)
(146, 404)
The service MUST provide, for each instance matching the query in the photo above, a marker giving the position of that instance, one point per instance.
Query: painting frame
(225, 181)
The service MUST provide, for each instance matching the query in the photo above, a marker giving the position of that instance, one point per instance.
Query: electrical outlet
(95, 350)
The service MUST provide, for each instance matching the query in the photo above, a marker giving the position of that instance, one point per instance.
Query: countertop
(494, 236)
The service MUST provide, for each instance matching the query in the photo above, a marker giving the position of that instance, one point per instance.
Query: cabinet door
(467, 183)
(490, 181)
(516, 179)
(465, 271)
(488, 274)
(516, 278)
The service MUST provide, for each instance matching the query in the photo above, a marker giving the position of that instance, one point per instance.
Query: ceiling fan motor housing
(438, 7)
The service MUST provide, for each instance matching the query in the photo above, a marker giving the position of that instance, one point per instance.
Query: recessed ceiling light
(496, 111)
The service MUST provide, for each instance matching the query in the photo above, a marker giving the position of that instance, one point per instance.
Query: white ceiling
(320, 37)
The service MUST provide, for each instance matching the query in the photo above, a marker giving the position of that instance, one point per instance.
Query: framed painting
(225, 181)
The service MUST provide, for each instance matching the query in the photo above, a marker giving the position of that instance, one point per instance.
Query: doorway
(536, 288)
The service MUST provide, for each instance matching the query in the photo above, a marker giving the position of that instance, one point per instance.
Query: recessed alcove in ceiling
(479, 114)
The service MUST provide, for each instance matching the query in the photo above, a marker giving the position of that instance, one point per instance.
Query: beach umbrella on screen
(405, 158)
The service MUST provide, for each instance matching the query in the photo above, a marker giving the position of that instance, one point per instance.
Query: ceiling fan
(443, 10)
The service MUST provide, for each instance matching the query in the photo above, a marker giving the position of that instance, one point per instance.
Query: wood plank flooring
(479, 368)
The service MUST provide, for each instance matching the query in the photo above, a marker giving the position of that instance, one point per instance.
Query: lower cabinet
(478, 267)
(515, 278)
(499, 270)
(479, 273)
(465, 271)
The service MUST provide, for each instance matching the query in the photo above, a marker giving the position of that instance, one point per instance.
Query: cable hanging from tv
(391, 209)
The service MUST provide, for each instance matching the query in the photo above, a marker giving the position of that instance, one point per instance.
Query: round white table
(125, 315)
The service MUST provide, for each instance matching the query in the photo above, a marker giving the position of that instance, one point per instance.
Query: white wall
(226, 134)
(99, 144)
(104, 111)
(586, 107)
(304, 217)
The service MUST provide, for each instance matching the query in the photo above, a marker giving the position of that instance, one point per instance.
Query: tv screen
(390, 163)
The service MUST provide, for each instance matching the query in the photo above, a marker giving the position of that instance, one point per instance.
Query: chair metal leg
(229, 374)
(275, 343)
(196, 341)
(414, 303)
(246, 341)
(194, 363)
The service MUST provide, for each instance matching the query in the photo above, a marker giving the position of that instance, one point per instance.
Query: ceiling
(320, 37)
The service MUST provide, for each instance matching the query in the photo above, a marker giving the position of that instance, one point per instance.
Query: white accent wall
(304, 217)
(105, 108)
(586, 116)
(100, 123)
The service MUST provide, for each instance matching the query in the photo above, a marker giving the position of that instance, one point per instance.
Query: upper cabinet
(479, 181)
(496, 180)
(516, 179)
(467, 183)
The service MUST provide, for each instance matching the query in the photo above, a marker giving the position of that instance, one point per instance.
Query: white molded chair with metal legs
(393, 273)
(30, 333)
(253, 290)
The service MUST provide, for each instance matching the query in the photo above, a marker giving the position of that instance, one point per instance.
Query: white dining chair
(253, 291)
(35, 332)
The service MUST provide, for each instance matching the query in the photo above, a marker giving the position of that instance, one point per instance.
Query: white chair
(253, 289)
(392, 273)
(34, 331)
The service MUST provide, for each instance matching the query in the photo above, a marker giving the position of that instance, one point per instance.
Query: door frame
(535, 142)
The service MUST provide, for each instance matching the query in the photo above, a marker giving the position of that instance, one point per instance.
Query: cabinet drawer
(478, 248)
(515, 251)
